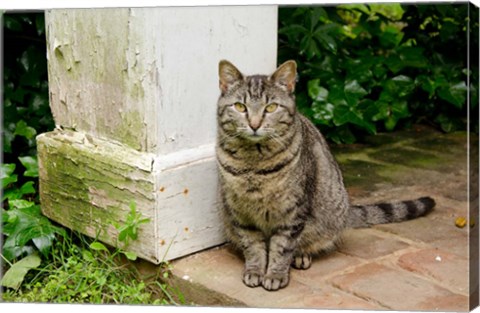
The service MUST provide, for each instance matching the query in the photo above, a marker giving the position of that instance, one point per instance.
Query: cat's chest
(261, 202)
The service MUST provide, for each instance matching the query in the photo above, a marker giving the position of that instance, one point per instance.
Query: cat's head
(256, 107)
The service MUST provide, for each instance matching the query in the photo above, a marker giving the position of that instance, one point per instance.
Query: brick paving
(416, 265)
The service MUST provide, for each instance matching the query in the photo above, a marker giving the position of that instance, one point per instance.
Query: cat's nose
(255, 124)
(254, 128)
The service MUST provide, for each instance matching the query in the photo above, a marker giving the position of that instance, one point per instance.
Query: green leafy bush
(378, 67)
(26, 110)
(26, 113)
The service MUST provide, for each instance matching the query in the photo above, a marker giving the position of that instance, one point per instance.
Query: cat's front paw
(275, 281)
(252, 278)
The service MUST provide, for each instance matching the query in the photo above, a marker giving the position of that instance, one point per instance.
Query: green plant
(26, 113)
(126, 232)
(25, 229)
(86, 271)
(378, 67)
(129, 230)
(74, 273)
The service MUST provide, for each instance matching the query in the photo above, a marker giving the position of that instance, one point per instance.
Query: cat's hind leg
(302, 258)
(302, 261)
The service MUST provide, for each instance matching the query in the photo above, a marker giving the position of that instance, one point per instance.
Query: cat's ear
(286, 75)
(228, 75)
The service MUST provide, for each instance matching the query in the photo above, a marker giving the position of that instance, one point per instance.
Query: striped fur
(281, 192)
(381, 213)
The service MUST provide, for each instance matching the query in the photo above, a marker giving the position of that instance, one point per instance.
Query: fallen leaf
(13, 278)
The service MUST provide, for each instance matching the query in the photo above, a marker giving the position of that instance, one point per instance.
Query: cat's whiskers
(279, 140)
(226, 137)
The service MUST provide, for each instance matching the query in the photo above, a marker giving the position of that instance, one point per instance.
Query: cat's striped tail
(388, 212)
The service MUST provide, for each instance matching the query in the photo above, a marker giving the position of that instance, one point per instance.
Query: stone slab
(446, 268)
(399, 290)
(365, 244)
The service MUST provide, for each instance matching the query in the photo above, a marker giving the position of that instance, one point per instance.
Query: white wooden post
(133, 93)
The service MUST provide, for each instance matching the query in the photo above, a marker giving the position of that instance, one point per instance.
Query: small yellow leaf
(460, 222)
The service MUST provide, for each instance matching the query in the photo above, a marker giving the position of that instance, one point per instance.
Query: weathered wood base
(87, 184)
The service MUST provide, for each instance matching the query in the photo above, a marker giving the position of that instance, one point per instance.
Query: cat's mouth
(255, 137)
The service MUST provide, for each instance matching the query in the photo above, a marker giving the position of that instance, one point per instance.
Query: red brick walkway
(416, 265)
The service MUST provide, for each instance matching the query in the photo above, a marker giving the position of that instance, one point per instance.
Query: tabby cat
(281, 192)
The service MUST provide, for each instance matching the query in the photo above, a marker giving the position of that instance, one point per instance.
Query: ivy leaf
(456, 94)
(27, 188)
(337, 94)
(317, 92)
(413, 57)
(398, 110)
(31, 164)
(374, 110)
(323, 112)
(18, 193)
(22, 129)
(12, 23)
(344, 114)
(353, 92)
(25, 224)
(44, 243)
(406, 57)
(391, 37)
(7, 170)
(7, 175)
(427, 84)
(12, 251)
(15, 275)
(390, 123)
(449, 123)
(405, 85)
(20, 204)
(342, 134)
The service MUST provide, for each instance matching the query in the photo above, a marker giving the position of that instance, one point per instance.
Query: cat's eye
(240, 107)
(271, 107)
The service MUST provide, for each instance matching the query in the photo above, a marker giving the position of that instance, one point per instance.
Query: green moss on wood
(131, 129)
(89, 186)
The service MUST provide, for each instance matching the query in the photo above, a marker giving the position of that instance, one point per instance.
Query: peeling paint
(96, 62)
(87, 185)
